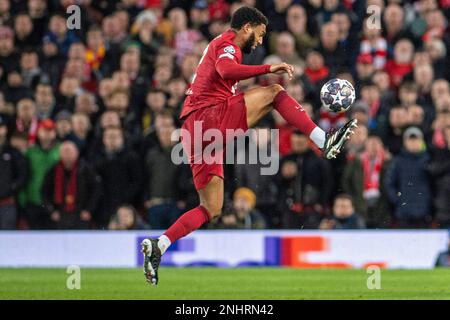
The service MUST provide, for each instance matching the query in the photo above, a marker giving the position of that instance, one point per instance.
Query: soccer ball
(337, 95)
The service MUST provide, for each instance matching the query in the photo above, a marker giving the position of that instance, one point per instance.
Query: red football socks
(188, 222)
(293, 112)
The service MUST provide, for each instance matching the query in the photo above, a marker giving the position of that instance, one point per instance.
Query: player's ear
(248, 27)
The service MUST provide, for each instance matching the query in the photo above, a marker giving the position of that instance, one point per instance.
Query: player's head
(252, 23)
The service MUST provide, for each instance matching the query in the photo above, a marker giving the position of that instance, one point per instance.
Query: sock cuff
(280, 95)
(205, 213)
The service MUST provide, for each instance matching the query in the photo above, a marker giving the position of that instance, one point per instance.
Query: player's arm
(229, 69)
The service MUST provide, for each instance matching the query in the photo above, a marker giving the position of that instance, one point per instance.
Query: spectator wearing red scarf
(436, 25)
(401, 65)
(71, 190)
(95, 53)
(374, 44)
(27, 120)
(316, 70)
(362, 180)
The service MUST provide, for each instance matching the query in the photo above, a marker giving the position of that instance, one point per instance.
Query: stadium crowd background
(86, 115)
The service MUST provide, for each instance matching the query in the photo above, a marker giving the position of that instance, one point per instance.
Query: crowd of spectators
(86, 114)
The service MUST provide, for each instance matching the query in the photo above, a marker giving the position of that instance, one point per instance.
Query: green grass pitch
(217, 283)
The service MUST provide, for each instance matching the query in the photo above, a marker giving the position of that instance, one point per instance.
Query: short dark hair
(409, 86)
(246, 15)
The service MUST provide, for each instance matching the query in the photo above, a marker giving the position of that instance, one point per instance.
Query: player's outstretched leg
(261, 100)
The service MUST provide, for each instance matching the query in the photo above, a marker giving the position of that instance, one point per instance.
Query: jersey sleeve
(228, 50)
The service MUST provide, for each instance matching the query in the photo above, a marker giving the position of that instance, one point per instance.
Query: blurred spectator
(249, 175)
(81, 126)
(19, 142)
(276, 13)
(41, 157)
(45, 101)
(374, 44)
(13, 175)
(161, 177)
(297, 25)
(360, 112)
(38, 12)
(59, 34)
(408, 184)
(284, 48)
(5, 16)
(120, 173)
(392, 137)
(126, 218)
(305, 185)
(330, 47)
(316, 70)
(146, 36)
(370, 95)
(52, 60)
(424, 76)
(344, 215)
(440, 171)
(184, 37)
(176, 90)
(363, 181)
(382, 81)
(402, 63)
(63, 125)
(437, 51)
(9, 57)
(348, 38)
(355, 146)
(68, 89)
(408, 94)
(364, 67)
(394, 24)
(26, 119)
(71, 190)
(242, 214)
(155, 103)
(30, 71)
(85, 103)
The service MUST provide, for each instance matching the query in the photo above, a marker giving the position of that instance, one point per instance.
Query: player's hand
(281, 68)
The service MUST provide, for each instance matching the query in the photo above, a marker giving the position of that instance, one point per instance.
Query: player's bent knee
(214, 208)
(275, 88)
(215, 214)
(213, 211)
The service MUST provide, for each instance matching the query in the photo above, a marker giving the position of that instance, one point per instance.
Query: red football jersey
(208, 87)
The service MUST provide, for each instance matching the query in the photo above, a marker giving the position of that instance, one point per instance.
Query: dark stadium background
(114, 89)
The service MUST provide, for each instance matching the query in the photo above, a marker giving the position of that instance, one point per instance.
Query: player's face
(255, 38)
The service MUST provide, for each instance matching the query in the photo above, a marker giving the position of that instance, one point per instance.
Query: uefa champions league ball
(337, 95)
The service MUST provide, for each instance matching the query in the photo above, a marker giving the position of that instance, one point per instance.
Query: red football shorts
(231, 114)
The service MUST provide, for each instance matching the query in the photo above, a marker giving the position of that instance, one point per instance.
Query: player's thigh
(211, 196)
(258, 102)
